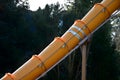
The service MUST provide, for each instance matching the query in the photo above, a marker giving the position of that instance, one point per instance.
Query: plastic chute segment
(104, 8)
(9, 76)
(42, 63)
(83, 27)
(62, 40)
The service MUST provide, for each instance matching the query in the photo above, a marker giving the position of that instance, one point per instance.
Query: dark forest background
(24, 33)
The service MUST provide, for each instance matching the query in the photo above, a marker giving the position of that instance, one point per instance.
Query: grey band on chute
(79, 29)
(75, 34)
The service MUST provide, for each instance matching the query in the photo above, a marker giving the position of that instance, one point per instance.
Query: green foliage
(102, 60)
(24, 33)
(8, 23)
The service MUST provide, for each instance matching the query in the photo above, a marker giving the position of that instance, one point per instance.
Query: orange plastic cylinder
(8, 76)
(60, 47)
(54, 52)
(100, 12)
(30, 70)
